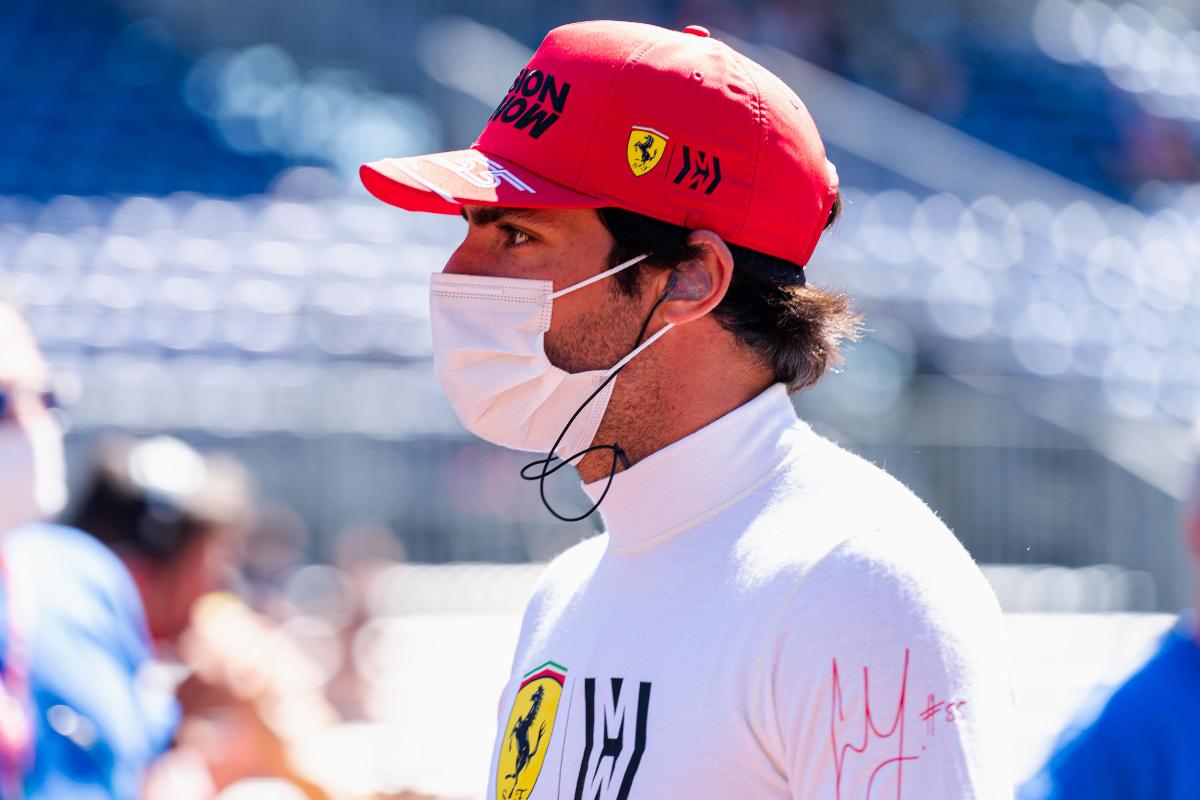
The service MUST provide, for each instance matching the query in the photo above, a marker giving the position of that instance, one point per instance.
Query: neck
(644, 416)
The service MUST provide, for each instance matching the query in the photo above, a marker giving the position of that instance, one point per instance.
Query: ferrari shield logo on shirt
(645, 149)
(527, 734)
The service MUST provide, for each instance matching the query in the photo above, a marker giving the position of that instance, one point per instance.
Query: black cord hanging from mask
(548, 465)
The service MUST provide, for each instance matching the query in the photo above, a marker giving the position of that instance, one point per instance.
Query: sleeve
(1088, 766)
(1108, 758)
(104, 717)
(888, 677)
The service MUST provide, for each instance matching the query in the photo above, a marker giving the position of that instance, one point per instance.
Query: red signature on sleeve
(950, 710)
(871, 730)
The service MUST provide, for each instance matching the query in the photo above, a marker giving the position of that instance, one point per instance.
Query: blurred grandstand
(181, 220)
(179, 216)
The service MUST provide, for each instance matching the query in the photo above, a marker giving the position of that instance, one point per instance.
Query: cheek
(590, 329)
(219, 557)
(200, 572)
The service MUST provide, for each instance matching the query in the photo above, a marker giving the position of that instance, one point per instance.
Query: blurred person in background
(251, 701)
(32, 466)
(80, 716)
(1142, 745)
(277, 546)
(250, 697)
(766, 615)
(174, 517)
(177, 520)
(362, 550)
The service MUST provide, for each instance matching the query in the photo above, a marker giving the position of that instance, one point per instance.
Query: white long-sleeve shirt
(767, 616)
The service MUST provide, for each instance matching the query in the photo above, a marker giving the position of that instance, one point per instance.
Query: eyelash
(510, 232)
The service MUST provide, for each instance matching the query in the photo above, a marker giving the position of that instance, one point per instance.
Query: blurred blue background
(181, 220)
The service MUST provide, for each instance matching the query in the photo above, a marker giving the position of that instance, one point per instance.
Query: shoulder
(1131, 747)
(889, 620)
(559, 583)
(915, 566)
(863, 495)
(76, 577)
(918, 589)
(1123, 748)
(1166, 680)
(893, 586)
(1169, 672)
(564, 576)
(900, 624)
(842, 527)
(64, 551)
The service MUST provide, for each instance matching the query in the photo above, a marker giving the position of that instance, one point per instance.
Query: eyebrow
(488, 215)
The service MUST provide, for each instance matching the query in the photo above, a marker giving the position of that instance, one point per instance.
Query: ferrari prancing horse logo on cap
(645, 148)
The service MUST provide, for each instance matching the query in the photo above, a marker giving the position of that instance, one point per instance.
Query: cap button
(697, 30)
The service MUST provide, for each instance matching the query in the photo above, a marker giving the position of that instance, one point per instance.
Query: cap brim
(442, 182)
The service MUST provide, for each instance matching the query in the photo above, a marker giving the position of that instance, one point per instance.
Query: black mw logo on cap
(529, 101)
(700, 170)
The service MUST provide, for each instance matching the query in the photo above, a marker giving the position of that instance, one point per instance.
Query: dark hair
(122, 507)
(794, 328)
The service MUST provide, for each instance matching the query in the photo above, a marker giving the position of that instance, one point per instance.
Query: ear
(700, 282)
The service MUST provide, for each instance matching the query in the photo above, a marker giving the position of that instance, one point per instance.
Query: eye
(515, 237)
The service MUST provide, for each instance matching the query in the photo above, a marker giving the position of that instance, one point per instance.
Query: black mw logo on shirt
(615, 740)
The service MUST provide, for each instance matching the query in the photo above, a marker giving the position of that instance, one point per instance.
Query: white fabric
(33, 473)
(796, 621)
(489, 356)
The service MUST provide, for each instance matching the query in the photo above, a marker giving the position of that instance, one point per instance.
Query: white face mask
(490, 358)
(33, 483)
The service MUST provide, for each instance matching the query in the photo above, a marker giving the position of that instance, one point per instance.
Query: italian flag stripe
(557, 672)
(559, 667)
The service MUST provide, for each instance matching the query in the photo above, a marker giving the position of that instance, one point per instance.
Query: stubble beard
(600, 340)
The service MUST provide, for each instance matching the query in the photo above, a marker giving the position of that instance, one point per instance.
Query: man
(1142, 744)
(174, 517)
(78, 719)
(767, 615)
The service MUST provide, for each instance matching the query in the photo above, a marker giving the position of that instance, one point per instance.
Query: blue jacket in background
(1144, 745)
(100, 718)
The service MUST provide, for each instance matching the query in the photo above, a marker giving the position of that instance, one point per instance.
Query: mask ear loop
(548, 467)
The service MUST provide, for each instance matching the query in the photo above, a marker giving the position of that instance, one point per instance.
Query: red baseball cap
(671, 124)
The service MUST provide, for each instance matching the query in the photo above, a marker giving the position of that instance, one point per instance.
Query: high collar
(678, 486)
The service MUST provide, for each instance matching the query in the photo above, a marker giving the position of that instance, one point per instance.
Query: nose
(476, 255)
(462, 261)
